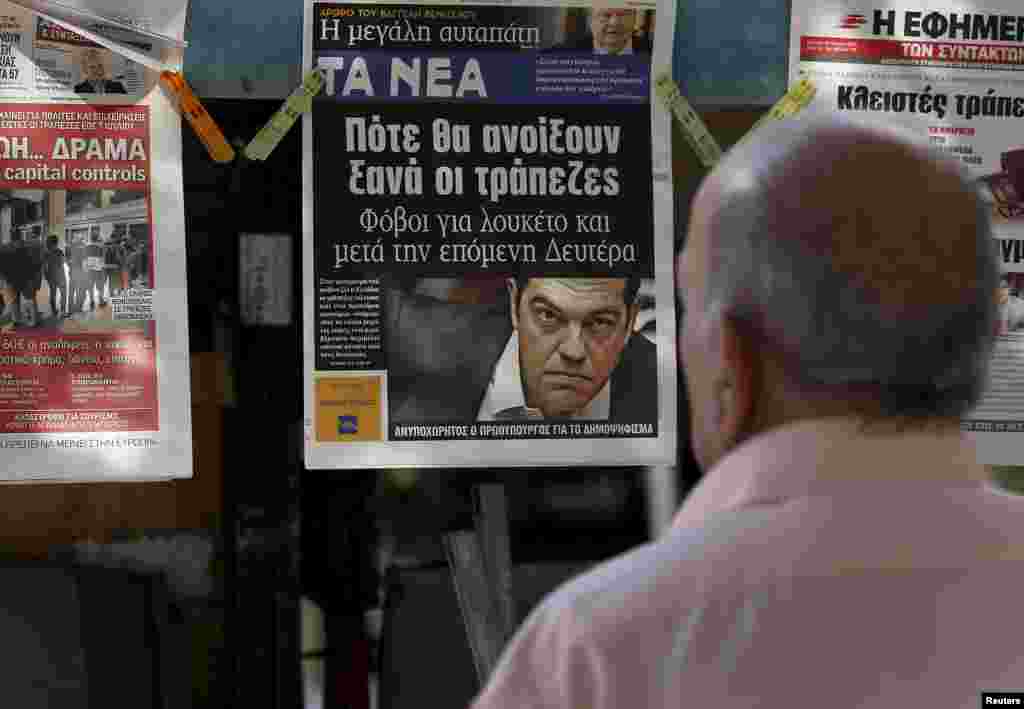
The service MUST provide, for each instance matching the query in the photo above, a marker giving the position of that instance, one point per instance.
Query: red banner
(889, 51)
(72, 146)
(77, 337)
(77, 383)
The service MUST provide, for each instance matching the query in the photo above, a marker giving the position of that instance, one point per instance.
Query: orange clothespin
(202, 123)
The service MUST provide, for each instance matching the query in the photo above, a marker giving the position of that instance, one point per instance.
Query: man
(844, 547)
(561, 348)
(94, 75)
(611, 32)
(9, 298)
(1011, 310)
(114, 262)
(95, 273)
(79, 276)
(139, 264)
(35, 255)
(126, 271)
(21, 265)
(56, 277)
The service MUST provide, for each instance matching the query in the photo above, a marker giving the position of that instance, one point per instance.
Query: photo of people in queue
(65, 253)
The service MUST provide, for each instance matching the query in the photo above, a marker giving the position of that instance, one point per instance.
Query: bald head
(862, 263)
(894, 220)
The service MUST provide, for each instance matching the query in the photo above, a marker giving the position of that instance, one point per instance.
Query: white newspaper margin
(171, 456)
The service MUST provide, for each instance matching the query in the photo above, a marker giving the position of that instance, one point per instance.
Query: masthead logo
(852, 22)
(348, 425)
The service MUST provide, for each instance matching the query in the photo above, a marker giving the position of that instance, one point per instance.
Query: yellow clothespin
(698, 135)
(300, 101)
(795, 100)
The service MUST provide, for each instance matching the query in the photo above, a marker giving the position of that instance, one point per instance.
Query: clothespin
(191, 107)
(299, 101)
(697, 133)
(795, 100)
(202, 123)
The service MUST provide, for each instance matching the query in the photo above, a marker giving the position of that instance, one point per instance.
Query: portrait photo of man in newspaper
(95, 76)
(549, 348)
(608, 30)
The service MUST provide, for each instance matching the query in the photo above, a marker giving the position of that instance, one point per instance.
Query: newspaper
(160, 21)
(93, 344)
(488, 250)
(41, 56)
(954, 76)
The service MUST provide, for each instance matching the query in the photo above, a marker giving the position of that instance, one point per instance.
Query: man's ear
(737, 385)
(513, 301)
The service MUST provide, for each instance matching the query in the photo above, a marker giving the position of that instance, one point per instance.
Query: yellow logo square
(349, 409)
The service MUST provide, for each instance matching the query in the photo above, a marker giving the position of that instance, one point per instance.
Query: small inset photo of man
(95, 75)
(607, 29)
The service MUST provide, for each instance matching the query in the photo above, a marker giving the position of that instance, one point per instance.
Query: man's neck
(868, 425)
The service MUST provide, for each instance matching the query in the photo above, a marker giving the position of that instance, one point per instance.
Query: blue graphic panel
(726, 52)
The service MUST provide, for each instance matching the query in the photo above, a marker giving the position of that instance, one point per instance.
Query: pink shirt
(813, 566)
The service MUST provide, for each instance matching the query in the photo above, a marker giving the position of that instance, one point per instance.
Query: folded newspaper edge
(480, 613)
(57, 9)
(122, 49)
(492, 528)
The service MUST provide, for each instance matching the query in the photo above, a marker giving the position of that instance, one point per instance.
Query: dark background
(327, 551)
(283, 532)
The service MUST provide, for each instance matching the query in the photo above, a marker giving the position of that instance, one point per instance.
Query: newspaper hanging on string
(93, 342)
(954, 77)
(488, 220)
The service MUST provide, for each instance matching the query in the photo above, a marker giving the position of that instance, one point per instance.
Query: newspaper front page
(488, 236)
(954, 76)
(94, 376)
(42, 57)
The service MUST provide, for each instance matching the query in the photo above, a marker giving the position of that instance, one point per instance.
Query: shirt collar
(826, 456)
(505, 390)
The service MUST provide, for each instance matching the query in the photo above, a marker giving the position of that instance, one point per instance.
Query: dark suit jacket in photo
(110, 87)
(441, 357)
(585, 43)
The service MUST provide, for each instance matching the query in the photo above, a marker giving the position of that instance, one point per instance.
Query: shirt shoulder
(661, 577)
(602, 628)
